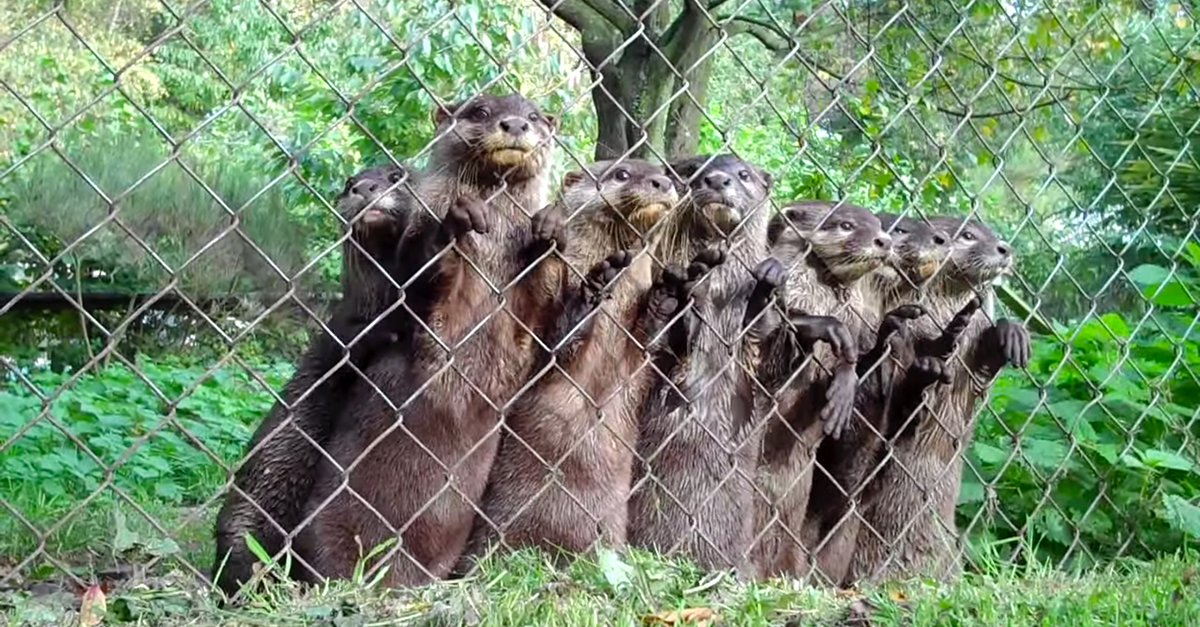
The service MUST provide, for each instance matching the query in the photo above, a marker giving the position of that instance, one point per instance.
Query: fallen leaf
(697, 615)
(92, 608)
(848, 593)
(897, 596)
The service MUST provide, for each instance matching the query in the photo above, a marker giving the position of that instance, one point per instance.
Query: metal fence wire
(837, 291)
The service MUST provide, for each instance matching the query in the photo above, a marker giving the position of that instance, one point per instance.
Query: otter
(830, 248)
(908, 522)
(418, 443)
(831, 525)
(561, 479)
(692, 487)
(276, 474)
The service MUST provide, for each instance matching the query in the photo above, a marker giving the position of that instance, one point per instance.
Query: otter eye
(900, 230)
(846, 226)
(967, 235)
(621, 175)
(533, 117)
(394, 177)
(480, 114)
(744, 175)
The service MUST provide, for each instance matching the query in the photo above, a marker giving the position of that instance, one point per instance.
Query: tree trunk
(683, 133)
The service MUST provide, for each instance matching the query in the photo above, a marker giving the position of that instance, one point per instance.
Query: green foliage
(1105, 434)
(161, 445)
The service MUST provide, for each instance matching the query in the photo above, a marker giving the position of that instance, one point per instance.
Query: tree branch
(766, 33)
(611, 11)
(1000, 113)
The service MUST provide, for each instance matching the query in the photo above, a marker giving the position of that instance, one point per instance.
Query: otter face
(636, 189)
(725, 190)
(977, 256)
(377, 191)
(918, 248)
(498, 132)
(849, 240)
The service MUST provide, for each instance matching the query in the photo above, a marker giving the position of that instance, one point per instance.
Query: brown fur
(695, 458)
(276, 475)
(908, 508)
(562, 476)
(846, 244)
(833, 518)
(419, 472)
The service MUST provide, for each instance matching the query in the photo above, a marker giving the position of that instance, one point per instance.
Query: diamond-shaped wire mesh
(837, 291)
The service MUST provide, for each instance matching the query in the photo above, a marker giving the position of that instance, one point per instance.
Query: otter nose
(1003, 249)
(883, 241)
(660, 183)
(514, 125)
(366, 189)
(717, 181)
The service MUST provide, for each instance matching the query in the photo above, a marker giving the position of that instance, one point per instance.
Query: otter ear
(551, 120)
(572, 178)
(442, 112)
(767, 178)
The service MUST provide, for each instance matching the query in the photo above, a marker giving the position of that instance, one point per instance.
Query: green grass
(523, 589)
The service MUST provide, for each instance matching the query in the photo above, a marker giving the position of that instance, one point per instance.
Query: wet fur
(276, 476)
(825, 282)
(908, 508)
(696, 457)
(448, 421)
(562, 475)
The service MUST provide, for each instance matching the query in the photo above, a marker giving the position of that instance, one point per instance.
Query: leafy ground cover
(523, 589)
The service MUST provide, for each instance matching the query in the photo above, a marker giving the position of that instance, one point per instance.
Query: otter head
(977, 255)
(377, 191)
(636, 190)
(918, 249)
(725, 192)
(846, 240)
(494, 135)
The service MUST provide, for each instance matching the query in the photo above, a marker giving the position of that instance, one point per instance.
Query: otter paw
(927, 370)
(770, 273)
(466, 215)
(838, 412)
(907, 312)
(1013, 340)
(969, 309)
(550, 225)
(812, 329)
(666, 295)
(606, 271)
(705, 261)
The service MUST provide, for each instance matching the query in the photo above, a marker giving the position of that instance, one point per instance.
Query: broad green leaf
(1182, 515)
(616, 571)
(1148, 274)
(989, 454)
(1172, 294)
(1156, 458)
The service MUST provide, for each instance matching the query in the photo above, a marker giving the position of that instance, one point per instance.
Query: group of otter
(648, 359)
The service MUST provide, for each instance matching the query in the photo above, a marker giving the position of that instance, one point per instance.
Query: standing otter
(829, 247)
(276, 474)
(562, 476)
(695, 459)
(899, 537)
(831, 524)
(417, 452)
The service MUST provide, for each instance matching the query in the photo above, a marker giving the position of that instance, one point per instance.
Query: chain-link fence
(313, 271)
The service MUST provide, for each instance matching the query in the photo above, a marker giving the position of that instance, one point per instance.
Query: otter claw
(908, 312)
(550, 225)
(770, 272)
(606, 271)
(930, 370)
(466, 215)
